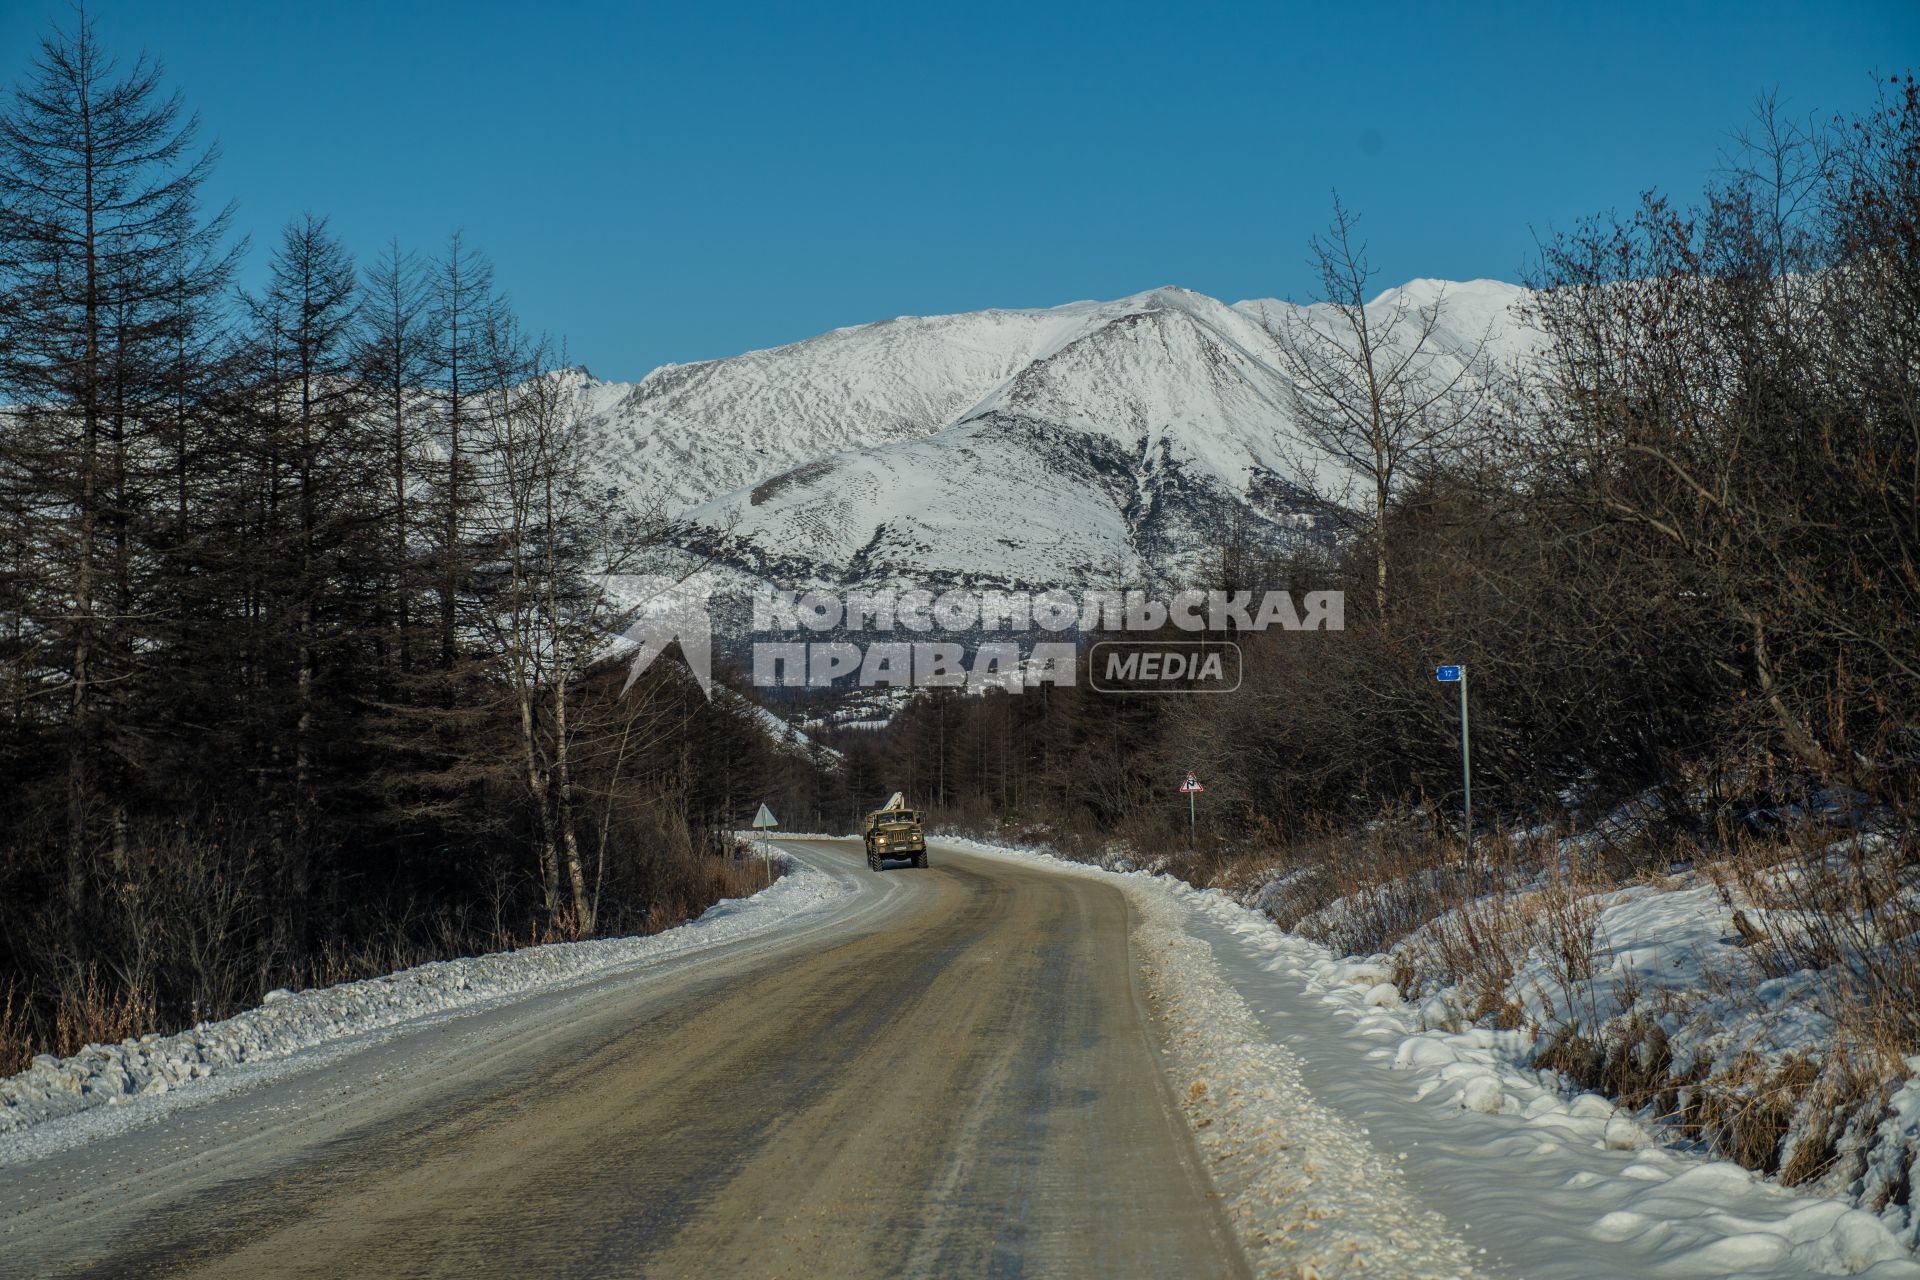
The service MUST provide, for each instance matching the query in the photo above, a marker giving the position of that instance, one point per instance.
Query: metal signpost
(765, 821)
(1458, 675)
(1191, 787)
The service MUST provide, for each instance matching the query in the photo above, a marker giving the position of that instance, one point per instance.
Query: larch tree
(463, 310)
(310, 417)
(107, 262)
(393, 361)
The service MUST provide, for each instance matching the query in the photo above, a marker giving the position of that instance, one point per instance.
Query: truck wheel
(920, 859)
(873, 861)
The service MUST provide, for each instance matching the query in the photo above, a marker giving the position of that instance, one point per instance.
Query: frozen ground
(1331, 1097)
(58, 1103)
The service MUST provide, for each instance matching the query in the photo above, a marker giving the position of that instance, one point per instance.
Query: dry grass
(730, 876)
(88, 1010)
(96, 1011)
(1848, 910)
(16, 1032)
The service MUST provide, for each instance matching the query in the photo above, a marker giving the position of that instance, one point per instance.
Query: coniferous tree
(108, 270)
(393, 360)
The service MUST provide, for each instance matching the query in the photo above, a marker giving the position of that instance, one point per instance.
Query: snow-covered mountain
(1091, 443)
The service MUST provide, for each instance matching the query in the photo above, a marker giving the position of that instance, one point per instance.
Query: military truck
(894, 831)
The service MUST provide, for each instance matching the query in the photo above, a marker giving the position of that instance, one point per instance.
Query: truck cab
(894, 832)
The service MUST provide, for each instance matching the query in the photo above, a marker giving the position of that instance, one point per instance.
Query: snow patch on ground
(156, 1072)
(1678, 1212)
(1667, 971)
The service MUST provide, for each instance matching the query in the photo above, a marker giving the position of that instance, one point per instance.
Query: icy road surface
(948, 1072)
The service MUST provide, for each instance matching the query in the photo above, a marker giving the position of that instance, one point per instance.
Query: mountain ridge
(1025, 447)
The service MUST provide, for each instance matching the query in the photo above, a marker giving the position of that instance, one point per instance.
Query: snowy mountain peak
(1036, 447)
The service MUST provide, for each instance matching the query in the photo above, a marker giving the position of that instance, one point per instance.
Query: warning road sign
(1191, 784)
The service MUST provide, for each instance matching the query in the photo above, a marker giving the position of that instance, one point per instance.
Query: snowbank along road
(950, 1072)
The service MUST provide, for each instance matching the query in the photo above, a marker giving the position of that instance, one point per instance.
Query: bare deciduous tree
(1375, 387)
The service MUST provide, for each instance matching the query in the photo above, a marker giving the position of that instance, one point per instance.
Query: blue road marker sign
(1446, 675)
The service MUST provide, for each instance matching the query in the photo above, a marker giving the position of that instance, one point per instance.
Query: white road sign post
(765, 821)
(1458, 675)
(1191, 787)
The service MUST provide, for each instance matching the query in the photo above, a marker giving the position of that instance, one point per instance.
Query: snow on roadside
(1701, 1217)
(1649, 1209)
(289, 1023)
(1310, 1194)
(1668, 981)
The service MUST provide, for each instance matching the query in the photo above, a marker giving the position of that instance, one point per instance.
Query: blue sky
(672, 182)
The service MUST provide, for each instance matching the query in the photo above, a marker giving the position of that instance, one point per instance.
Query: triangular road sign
(764, 818)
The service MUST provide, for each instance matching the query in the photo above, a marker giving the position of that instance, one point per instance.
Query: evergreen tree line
(1678, 548)
(300, 592)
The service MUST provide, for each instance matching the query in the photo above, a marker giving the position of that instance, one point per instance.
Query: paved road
(955, 1076)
